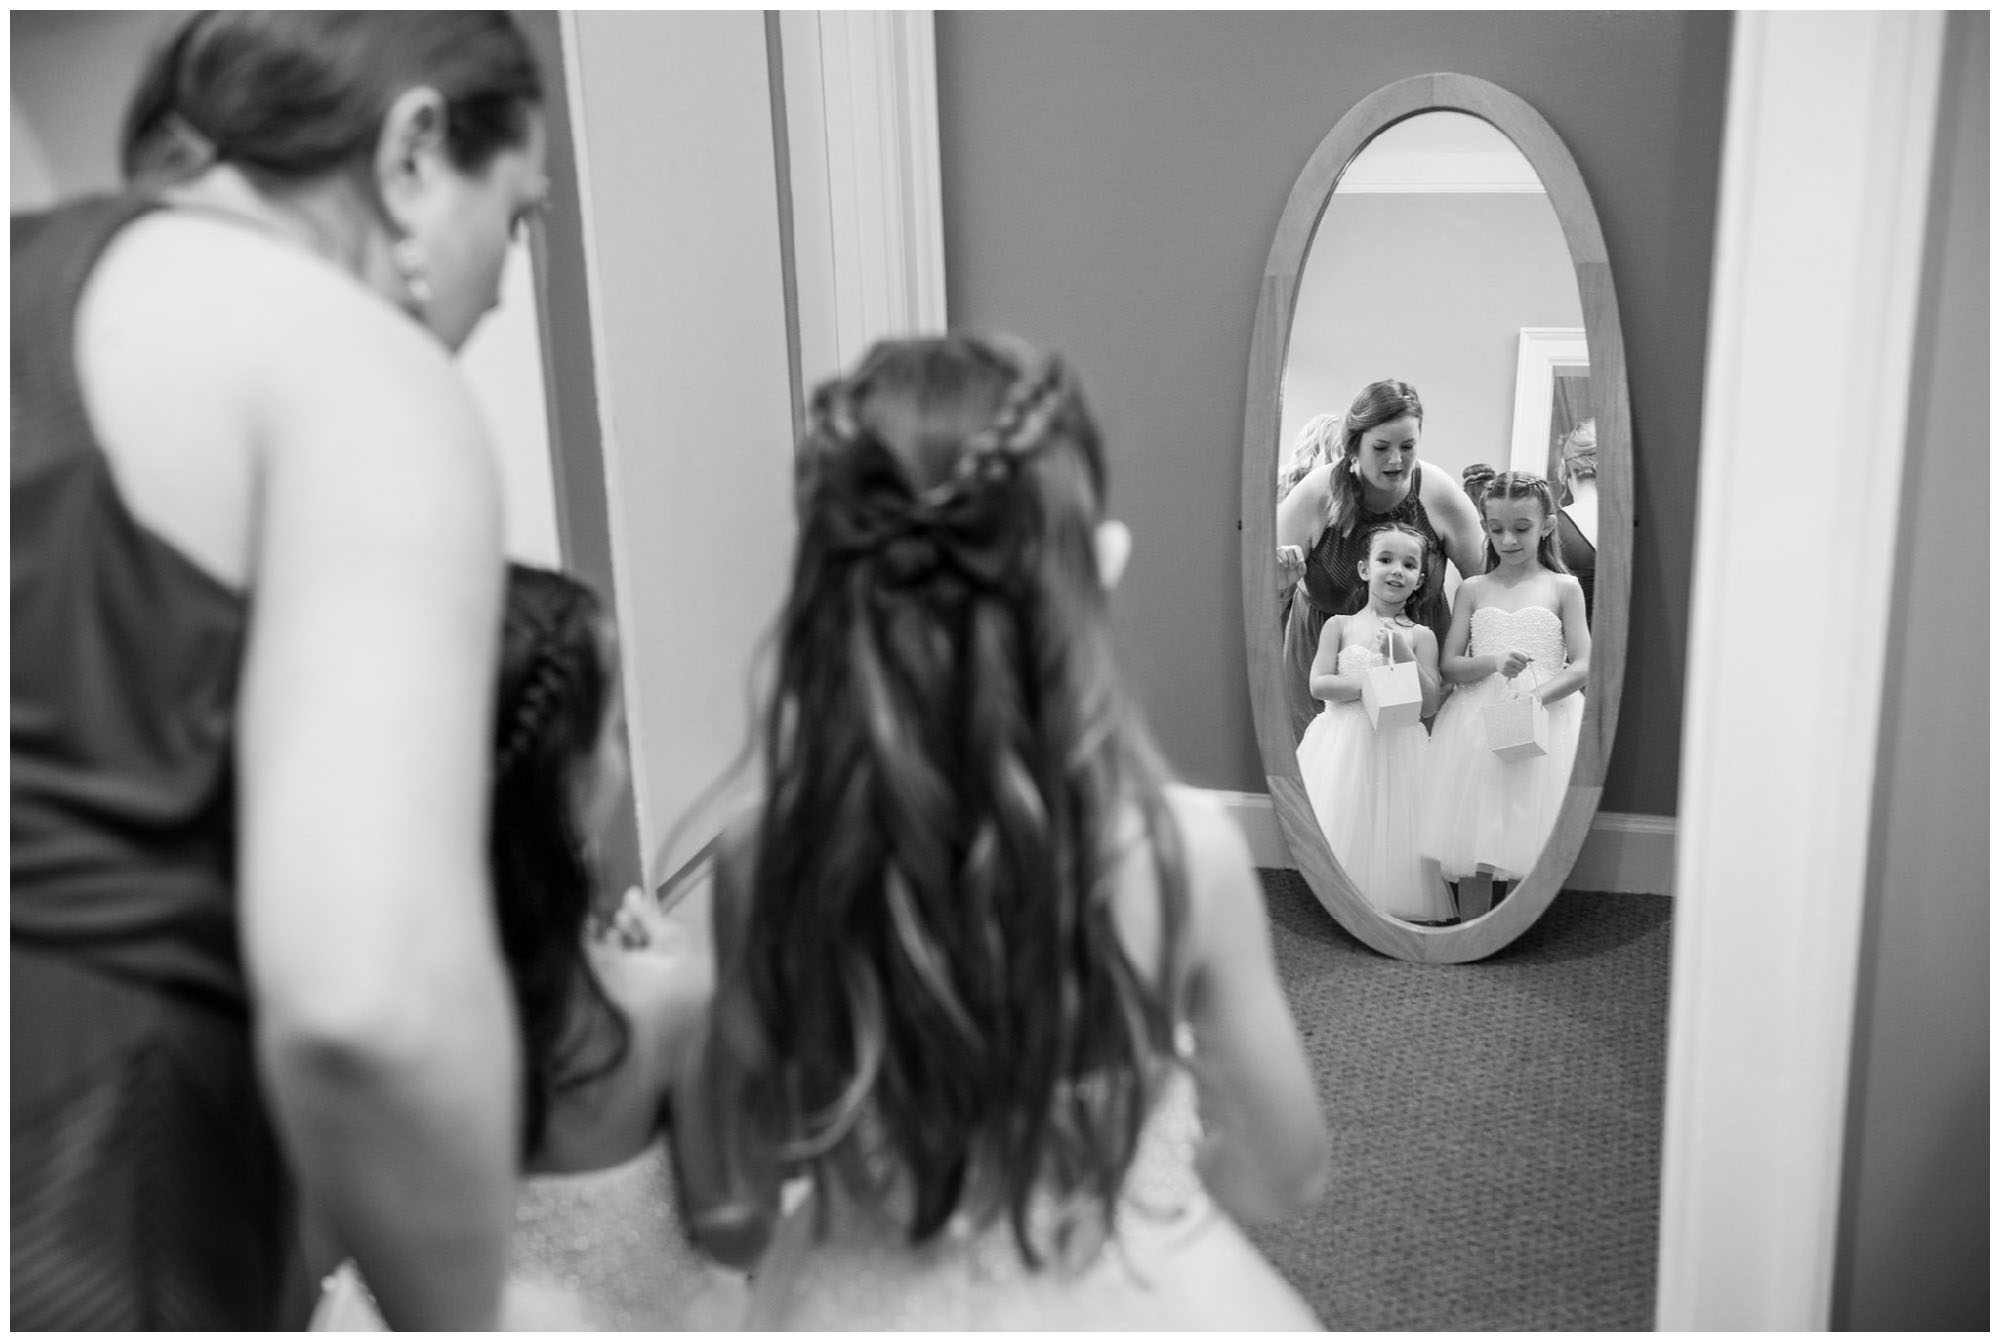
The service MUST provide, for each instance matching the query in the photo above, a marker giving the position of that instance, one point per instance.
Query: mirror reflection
(1436, 546)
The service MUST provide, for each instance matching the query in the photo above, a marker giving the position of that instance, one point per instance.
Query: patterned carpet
(1496, 1126)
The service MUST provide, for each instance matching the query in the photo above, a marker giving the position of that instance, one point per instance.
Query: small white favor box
(1517, 727)
(1392, 695)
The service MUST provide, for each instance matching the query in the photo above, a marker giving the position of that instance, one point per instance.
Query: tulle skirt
(1367, 789)
(1482, 810)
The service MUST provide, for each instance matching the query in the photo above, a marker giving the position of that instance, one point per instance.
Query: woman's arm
(1302, 513)
(384, 1025)
(1576, 640)
(1456, 522)
(1264, 1149)
(1324, 681)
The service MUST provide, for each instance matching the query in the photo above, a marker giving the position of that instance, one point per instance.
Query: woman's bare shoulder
(1316, 482)
(1442, 489)
(219, 279)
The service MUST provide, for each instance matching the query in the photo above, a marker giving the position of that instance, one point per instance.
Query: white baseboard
(1626, 854)
(1623, 854)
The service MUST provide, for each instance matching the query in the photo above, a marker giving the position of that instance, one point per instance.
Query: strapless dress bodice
(1534, 630)
(1358, 657)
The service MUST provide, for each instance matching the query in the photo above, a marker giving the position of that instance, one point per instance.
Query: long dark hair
(1378, 403)
(553, 696)
(291, 95)
(951, 1017)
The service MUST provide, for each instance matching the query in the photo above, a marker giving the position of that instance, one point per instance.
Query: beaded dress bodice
(1358, 657)
(1535, 630)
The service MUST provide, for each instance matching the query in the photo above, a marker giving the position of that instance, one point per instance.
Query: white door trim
(1825, 183)
(1541, 351)
(867, 212)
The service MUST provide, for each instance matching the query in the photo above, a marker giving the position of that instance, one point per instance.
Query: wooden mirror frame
(1270, 341)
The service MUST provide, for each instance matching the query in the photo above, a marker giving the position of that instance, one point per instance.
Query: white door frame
(861, 120)
(1825, 184)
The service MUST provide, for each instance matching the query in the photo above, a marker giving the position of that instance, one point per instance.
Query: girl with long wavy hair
(605, 1005)
(1000, 997)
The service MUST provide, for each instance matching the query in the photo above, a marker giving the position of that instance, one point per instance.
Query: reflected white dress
(1366, 788)
(1176, 1262)
(599, 1250)
(1479, 808)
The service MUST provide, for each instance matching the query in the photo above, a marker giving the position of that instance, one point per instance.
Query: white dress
(598, 1250)
(1481, 809)
(1176, 1262)
(1367, 788)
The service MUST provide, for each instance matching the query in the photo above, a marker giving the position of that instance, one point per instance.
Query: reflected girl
(1366, 783)
(1518, 628)
(1329, 514)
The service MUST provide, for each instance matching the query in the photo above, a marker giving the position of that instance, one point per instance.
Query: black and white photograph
(1138, 670)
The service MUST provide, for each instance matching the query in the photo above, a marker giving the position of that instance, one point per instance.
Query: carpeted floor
(1496, 1126)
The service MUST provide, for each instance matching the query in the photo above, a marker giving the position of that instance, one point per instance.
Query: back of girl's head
(931, 945)
(1579, 451)
(293, 95)
(554, 692)
(1475, 479)
(1529, 486)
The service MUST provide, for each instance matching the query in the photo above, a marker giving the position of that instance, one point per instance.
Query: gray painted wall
(1432, 290)
(1915, 1235)
(1111, 184)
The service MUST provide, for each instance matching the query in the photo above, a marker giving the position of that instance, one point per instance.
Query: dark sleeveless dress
(1333, 586)
(1579, 557)
(148, 1190)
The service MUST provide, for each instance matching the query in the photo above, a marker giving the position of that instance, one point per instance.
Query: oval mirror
(1436, 308)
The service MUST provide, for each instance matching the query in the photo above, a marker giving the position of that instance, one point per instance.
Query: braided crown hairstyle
(932, 955)
(554, 692)
(1378, 403)
(292, 95)
(1525, 485)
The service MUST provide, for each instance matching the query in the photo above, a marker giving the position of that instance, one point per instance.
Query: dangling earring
(409, 259)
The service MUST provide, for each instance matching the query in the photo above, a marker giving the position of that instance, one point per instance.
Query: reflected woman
(1375, 478)
(1576, 520)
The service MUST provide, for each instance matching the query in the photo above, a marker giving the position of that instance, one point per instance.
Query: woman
(1375, 478)
(1576, 520)
(255, 602)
